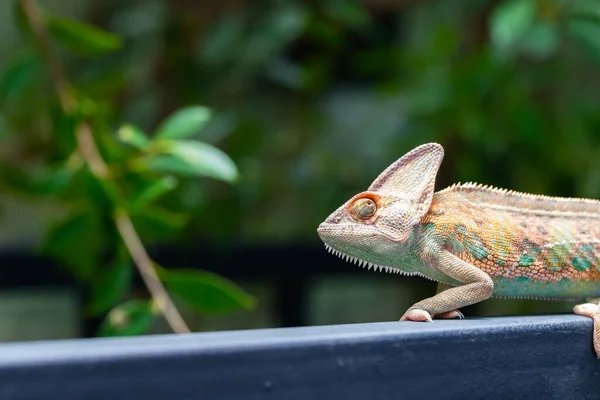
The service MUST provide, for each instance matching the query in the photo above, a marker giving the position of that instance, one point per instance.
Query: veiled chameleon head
(378, 227)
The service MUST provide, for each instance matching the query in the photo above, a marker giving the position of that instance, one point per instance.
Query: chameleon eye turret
(363, 209)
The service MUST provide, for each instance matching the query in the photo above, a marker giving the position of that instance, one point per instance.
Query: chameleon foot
(591, 310)
(450, 315)
(417, 315)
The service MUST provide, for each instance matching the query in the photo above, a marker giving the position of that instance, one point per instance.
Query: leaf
(18, 179)
(193, 158)
(76, 242)
(584, 9)
(272, 33)
(510, 22)
(287, 21)
(18, 76)
(223, 40)
(158, 223)
(63, 128)
(587, 34)
(132, 318)
(111, 284)
(542, 40)
(53, 180)
(352, 13)
(184, 123)
(155, 190)
(206, 292)
(133, 136)
(82, 38)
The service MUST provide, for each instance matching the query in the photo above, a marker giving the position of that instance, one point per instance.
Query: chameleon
(480, 241)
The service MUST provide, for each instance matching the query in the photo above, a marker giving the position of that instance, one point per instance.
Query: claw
(450, 315)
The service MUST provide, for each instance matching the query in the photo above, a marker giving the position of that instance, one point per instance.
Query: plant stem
(146, 267)
(90, 153)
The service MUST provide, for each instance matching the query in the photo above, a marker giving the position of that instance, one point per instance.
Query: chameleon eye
(363, 208)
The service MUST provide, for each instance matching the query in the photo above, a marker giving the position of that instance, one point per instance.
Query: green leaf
(587, 34)
(510, 23)
(542, 41)
(184, 123)
(51, 181)
(205, 291)
(132, 318)
(223, 40)
(271, 34)
(18, 179)
(133, 136)
(63, 129)
(158, 223)
(584, 9)
(111, 284)
(288, 19)
(352, 13)
(54, 181)
(19, 75)
(155, 190)
(193, 158)
(82, 38)
(76, 242)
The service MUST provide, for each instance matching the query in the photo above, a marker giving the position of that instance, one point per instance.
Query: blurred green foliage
(141, 170)
(310, 99)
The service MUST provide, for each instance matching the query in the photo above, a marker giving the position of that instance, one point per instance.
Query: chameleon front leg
(591, 310)
(450, 314)
(478, 287)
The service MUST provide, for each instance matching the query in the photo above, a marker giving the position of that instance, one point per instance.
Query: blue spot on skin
(580, 263)
(476, 247)
(526, 260)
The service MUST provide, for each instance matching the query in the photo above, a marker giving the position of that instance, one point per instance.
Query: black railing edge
(504, 357)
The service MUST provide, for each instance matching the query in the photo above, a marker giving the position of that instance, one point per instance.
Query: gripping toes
(416, 314)
(419, 315)
(450, 315)
(591, 310)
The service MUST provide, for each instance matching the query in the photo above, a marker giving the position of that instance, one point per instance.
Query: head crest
(412, 177)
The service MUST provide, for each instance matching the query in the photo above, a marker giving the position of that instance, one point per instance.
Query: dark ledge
(542, 357)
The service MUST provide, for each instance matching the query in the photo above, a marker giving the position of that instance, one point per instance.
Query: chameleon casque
(479, 240)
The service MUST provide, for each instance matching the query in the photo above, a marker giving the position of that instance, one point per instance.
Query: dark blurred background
(311, 100)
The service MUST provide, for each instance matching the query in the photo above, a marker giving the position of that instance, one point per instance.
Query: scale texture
(478, 240)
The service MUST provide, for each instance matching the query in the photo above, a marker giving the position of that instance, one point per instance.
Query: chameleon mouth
(366, 264)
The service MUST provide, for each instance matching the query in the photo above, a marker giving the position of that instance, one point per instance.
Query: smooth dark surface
(545, 357)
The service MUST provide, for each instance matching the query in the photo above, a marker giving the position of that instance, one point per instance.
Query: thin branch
(90, 153)
(140, 257)
(63, 88)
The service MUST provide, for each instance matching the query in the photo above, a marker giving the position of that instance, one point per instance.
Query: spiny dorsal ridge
(503, 197)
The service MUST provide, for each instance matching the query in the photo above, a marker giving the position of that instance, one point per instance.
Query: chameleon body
(479, 240)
